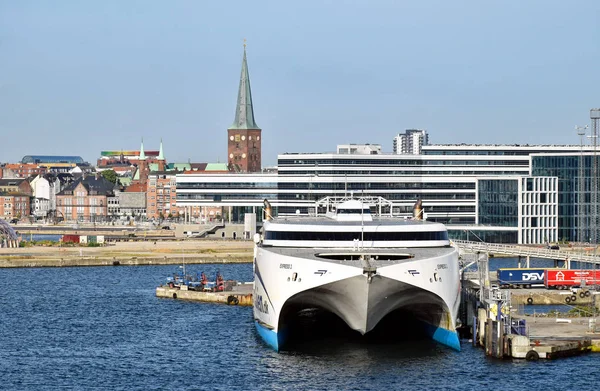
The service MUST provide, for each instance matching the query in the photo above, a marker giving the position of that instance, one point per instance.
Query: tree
(110, 175)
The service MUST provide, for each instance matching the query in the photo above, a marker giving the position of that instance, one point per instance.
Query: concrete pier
(536, 338)
(241, 294)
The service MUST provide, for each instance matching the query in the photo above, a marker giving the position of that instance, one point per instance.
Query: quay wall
(550, 297)
(115, 261)
(130, 253)
(244, 298)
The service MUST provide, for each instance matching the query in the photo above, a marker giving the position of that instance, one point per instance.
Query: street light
(581, 182)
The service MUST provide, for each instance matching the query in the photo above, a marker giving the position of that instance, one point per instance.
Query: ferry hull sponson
(360, 297)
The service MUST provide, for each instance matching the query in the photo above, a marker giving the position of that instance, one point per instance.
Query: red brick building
(14, 206)
(161, 195)
(24, 170)
(86, 199)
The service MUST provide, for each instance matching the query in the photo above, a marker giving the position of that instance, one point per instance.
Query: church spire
(244, 113)
(142, 154)
(161, 156)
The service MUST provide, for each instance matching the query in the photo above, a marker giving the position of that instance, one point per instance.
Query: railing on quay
(524, 251)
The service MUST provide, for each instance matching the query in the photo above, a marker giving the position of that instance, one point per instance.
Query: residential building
(161, 197)
(162, 193)
(44, 195)
(411, 142)
(14, 205)
(85, 199)
(23, 170)
(15, 185)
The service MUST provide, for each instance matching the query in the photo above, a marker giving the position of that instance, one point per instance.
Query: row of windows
(15, 198)
(222, 197)
(483, 151)
(228, 185)
(350, 236)
(412, 197)
(375, 186)
(418, 163)
(499, 171)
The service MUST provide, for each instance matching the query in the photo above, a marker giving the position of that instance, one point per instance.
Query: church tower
(244, 135)
(161, 158)
(143, 169)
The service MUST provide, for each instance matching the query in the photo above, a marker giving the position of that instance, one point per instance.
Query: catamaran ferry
(358, 265)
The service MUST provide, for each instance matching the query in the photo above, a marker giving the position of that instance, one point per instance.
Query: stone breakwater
(130, 253)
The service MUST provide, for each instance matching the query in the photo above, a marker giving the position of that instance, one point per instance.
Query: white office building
(483, 190)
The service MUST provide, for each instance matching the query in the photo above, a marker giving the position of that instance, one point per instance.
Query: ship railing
(382, 205)
(524, 251)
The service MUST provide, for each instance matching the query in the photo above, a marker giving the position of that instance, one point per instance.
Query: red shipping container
(70, 239)
(555, 278)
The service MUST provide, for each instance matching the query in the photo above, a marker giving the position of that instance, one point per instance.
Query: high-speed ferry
(358, 265)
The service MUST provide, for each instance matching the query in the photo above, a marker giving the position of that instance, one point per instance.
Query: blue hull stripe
(443, 336)
(270, 337)
(438, 334)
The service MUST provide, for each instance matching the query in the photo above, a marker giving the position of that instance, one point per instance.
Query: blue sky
(78, 77)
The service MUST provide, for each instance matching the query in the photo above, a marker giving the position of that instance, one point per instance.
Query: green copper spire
(244, 113)
(161, 156)
(142, 154)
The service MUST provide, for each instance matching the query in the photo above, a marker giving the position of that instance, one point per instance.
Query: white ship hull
(361, 293)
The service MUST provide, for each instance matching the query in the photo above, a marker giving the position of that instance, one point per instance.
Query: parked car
(166, 227)
(554, 247)
(14, 221)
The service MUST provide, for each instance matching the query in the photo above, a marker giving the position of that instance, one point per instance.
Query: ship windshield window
(353, 211)
(357, 256)
(350, 236)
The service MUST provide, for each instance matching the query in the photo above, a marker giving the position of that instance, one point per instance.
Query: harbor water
(103, 328)
(41, 237)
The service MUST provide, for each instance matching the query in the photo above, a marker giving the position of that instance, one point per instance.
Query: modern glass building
(40, 159)
(575, 207)
(490, 191)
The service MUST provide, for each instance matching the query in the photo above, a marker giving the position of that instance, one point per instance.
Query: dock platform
(241, 294)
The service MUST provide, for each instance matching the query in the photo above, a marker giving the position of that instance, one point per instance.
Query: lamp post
(581, 185)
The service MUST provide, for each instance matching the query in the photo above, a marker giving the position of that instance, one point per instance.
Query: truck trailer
(521, 277)
(570, 278)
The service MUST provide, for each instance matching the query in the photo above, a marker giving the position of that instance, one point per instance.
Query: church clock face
(231, 138)
(243, 138)
(257, 138)
(231, 155)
